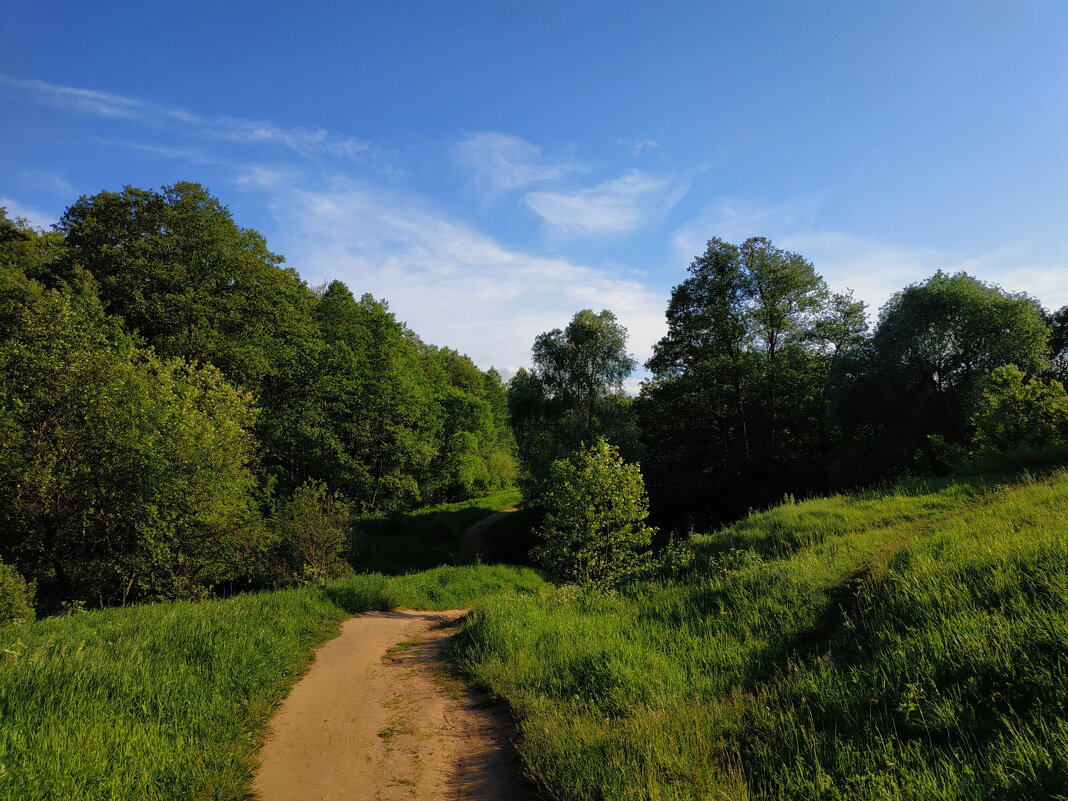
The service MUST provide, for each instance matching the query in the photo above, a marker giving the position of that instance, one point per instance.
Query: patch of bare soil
(381, 717)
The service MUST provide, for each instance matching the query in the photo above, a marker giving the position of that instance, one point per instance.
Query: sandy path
(471, 542)
(380, 717)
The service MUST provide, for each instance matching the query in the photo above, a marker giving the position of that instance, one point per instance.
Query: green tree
(594, 529)
(1012, 411)
(1058, 344)
(573, 394)
(314, 530)
(122, 475)
(920, 374)
(735, 410)
(178, 270)
(16, 597)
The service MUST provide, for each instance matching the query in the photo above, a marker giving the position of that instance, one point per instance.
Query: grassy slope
(911, 644)
(427, 537)
(167, 701)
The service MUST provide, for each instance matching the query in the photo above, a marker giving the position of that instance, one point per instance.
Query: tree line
(768, 384)
(180, 412)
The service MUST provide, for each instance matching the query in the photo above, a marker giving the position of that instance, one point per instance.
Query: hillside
(911, 643)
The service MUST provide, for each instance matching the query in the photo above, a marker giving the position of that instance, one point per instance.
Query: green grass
(168, 701)
(397, 544)
(908, 644)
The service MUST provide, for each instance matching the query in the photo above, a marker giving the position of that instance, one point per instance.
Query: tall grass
(904, 644)
(168, 701)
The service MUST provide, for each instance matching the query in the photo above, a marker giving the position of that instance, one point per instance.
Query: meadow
(910, 643)
(169, 700)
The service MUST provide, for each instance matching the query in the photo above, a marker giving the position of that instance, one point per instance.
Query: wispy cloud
(639, 145)
(452, 284)
(305, 141)
(614, 206)
(37, 218)
(501, 163)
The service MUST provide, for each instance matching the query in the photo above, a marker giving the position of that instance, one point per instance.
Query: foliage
(1012, 412)
(16, 597)
(122, 475)
(171, 700)
(908, 643)
(921, 372)
(1058, 344)
(595, 509)
(135, 467)
(573, 393)
(178, 270)
(735, 411)
(314, 531)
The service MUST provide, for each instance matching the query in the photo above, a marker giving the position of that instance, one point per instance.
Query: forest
(183, 416)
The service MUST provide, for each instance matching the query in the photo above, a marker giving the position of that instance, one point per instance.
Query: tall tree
(573, 394)
(122, 475)
(920, 374)
(178, 270)
(734, 413)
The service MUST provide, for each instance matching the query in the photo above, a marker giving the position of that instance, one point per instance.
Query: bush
(595, 509)
(314, 535)
(1012, 412)
(16, 597)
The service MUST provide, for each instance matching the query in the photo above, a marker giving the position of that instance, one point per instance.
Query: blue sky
(490, 168)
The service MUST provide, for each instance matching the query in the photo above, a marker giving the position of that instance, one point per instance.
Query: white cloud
(49, 181)
(501, 163)
(639, 145)
(453, 285)
(305, 141)
(36, 217)
(610, 207)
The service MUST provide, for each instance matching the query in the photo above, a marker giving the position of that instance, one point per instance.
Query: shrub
(1012, 412)
(314, 535)
(16, 597)
(595, 509)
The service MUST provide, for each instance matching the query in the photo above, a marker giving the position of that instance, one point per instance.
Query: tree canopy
(573, 393)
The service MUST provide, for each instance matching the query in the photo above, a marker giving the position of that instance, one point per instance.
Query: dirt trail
(379, 717)
(471, 543)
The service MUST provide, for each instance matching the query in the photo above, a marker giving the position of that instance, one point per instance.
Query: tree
(1058, 344)
(314, 530)
(122, 475)
(573, 394)
(178, 270)
(595, 509)
(920, 374)
(736, 406)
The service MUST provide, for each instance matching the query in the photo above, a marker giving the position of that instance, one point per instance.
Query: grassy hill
(911, 643)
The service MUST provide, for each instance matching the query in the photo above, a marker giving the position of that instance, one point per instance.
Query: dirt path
(471, 542)
(380, 717)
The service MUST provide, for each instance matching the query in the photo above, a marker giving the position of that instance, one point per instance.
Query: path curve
(471, 542)
(380, 716)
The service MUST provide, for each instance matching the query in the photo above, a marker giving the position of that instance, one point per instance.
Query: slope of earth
(910, 643)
